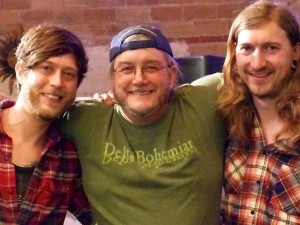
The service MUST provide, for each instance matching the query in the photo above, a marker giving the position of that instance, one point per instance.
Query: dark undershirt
(23, 175)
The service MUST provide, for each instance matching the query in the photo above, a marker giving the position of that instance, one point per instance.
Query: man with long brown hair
(259, 100)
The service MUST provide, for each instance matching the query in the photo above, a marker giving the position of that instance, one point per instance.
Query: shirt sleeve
(79, 205)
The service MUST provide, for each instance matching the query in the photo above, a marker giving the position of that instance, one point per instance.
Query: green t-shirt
(167, 173)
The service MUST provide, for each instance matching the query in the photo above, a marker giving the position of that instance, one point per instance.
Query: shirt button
(252, 212)
(264, 152)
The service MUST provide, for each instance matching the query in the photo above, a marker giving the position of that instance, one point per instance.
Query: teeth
(260, 75)
(140, 92)
(55, 97)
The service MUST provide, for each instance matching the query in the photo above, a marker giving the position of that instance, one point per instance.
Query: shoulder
(211, 80)
(203, 87)
(83, 108)
(82, 104)
(83, 113)
(55, 135)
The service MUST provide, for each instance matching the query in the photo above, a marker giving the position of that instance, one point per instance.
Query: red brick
(68, 16)
(15, 4)
(179, 29)
(9, 16)
(105, 3)
(200, 11)
(164, 13)
(210, 27)
(72, 3)
(172, 1)
(141, 2)
(210, 39)
(230, 10)
(208, 49)
(36, 16)
(84, 32)
(132, 15)
(202, 24)
(100, 15)
(47, 4)
(190, 40)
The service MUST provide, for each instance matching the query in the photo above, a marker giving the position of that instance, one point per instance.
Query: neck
(266, 109)
(145, 119)
(20, 124)
(28, 134)
(271, 123)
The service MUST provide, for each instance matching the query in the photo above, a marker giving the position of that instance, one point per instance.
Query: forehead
(141, 56)
(269, 32)
(66, 60)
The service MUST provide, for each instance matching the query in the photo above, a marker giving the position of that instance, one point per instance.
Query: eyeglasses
(146, 69)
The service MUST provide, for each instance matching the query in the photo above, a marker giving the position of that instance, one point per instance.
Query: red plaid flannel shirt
(262, 182)
(54, 188)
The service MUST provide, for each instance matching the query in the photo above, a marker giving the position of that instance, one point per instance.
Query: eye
(272, 48)
(43, 68)
(151, 68)
(125, 69)
(246, 48)
(70, 75)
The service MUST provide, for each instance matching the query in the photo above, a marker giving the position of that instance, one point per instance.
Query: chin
(49, 114)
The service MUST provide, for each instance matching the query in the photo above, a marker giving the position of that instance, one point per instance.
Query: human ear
(20, 72)
(173, 76)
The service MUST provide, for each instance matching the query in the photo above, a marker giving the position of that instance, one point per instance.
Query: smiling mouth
(141, 92)
(53, 97)
(259, 75)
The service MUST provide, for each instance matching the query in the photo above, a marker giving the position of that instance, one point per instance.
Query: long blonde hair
(234, 99)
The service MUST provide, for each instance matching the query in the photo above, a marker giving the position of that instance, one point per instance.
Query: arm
(79, 205)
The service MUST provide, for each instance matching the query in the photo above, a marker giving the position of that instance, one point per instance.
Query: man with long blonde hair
(259, 100)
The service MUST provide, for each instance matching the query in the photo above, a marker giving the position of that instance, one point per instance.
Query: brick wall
(202, 24)
(199, 26)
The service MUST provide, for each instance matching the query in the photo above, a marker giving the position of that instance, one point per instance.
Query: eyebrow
(63, 67)
(143, 62)
(264, 43)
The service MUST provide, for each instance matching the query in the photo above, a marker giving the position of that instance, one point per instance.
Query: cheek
(241, 65)
(166, 87)
(31, 79)
(240, 61)
(72, 88)
(119, 83)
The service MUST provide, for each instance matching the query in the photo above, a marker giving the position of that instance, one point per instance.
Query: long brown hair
(234, 99)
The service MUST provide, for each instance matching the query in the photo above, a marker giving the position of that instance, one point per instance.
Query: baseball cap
(158, 40)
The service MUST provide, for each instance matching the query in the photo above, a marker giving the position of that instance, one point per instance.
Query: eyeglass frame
(134, 69)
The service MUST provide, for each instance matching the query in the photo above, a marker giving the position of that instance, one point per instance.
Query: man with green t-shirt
(156, 156)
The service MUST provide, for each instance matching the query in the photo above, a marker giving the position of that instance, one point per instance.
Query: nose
(139, 77)
(56, 79)
(258, 60)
